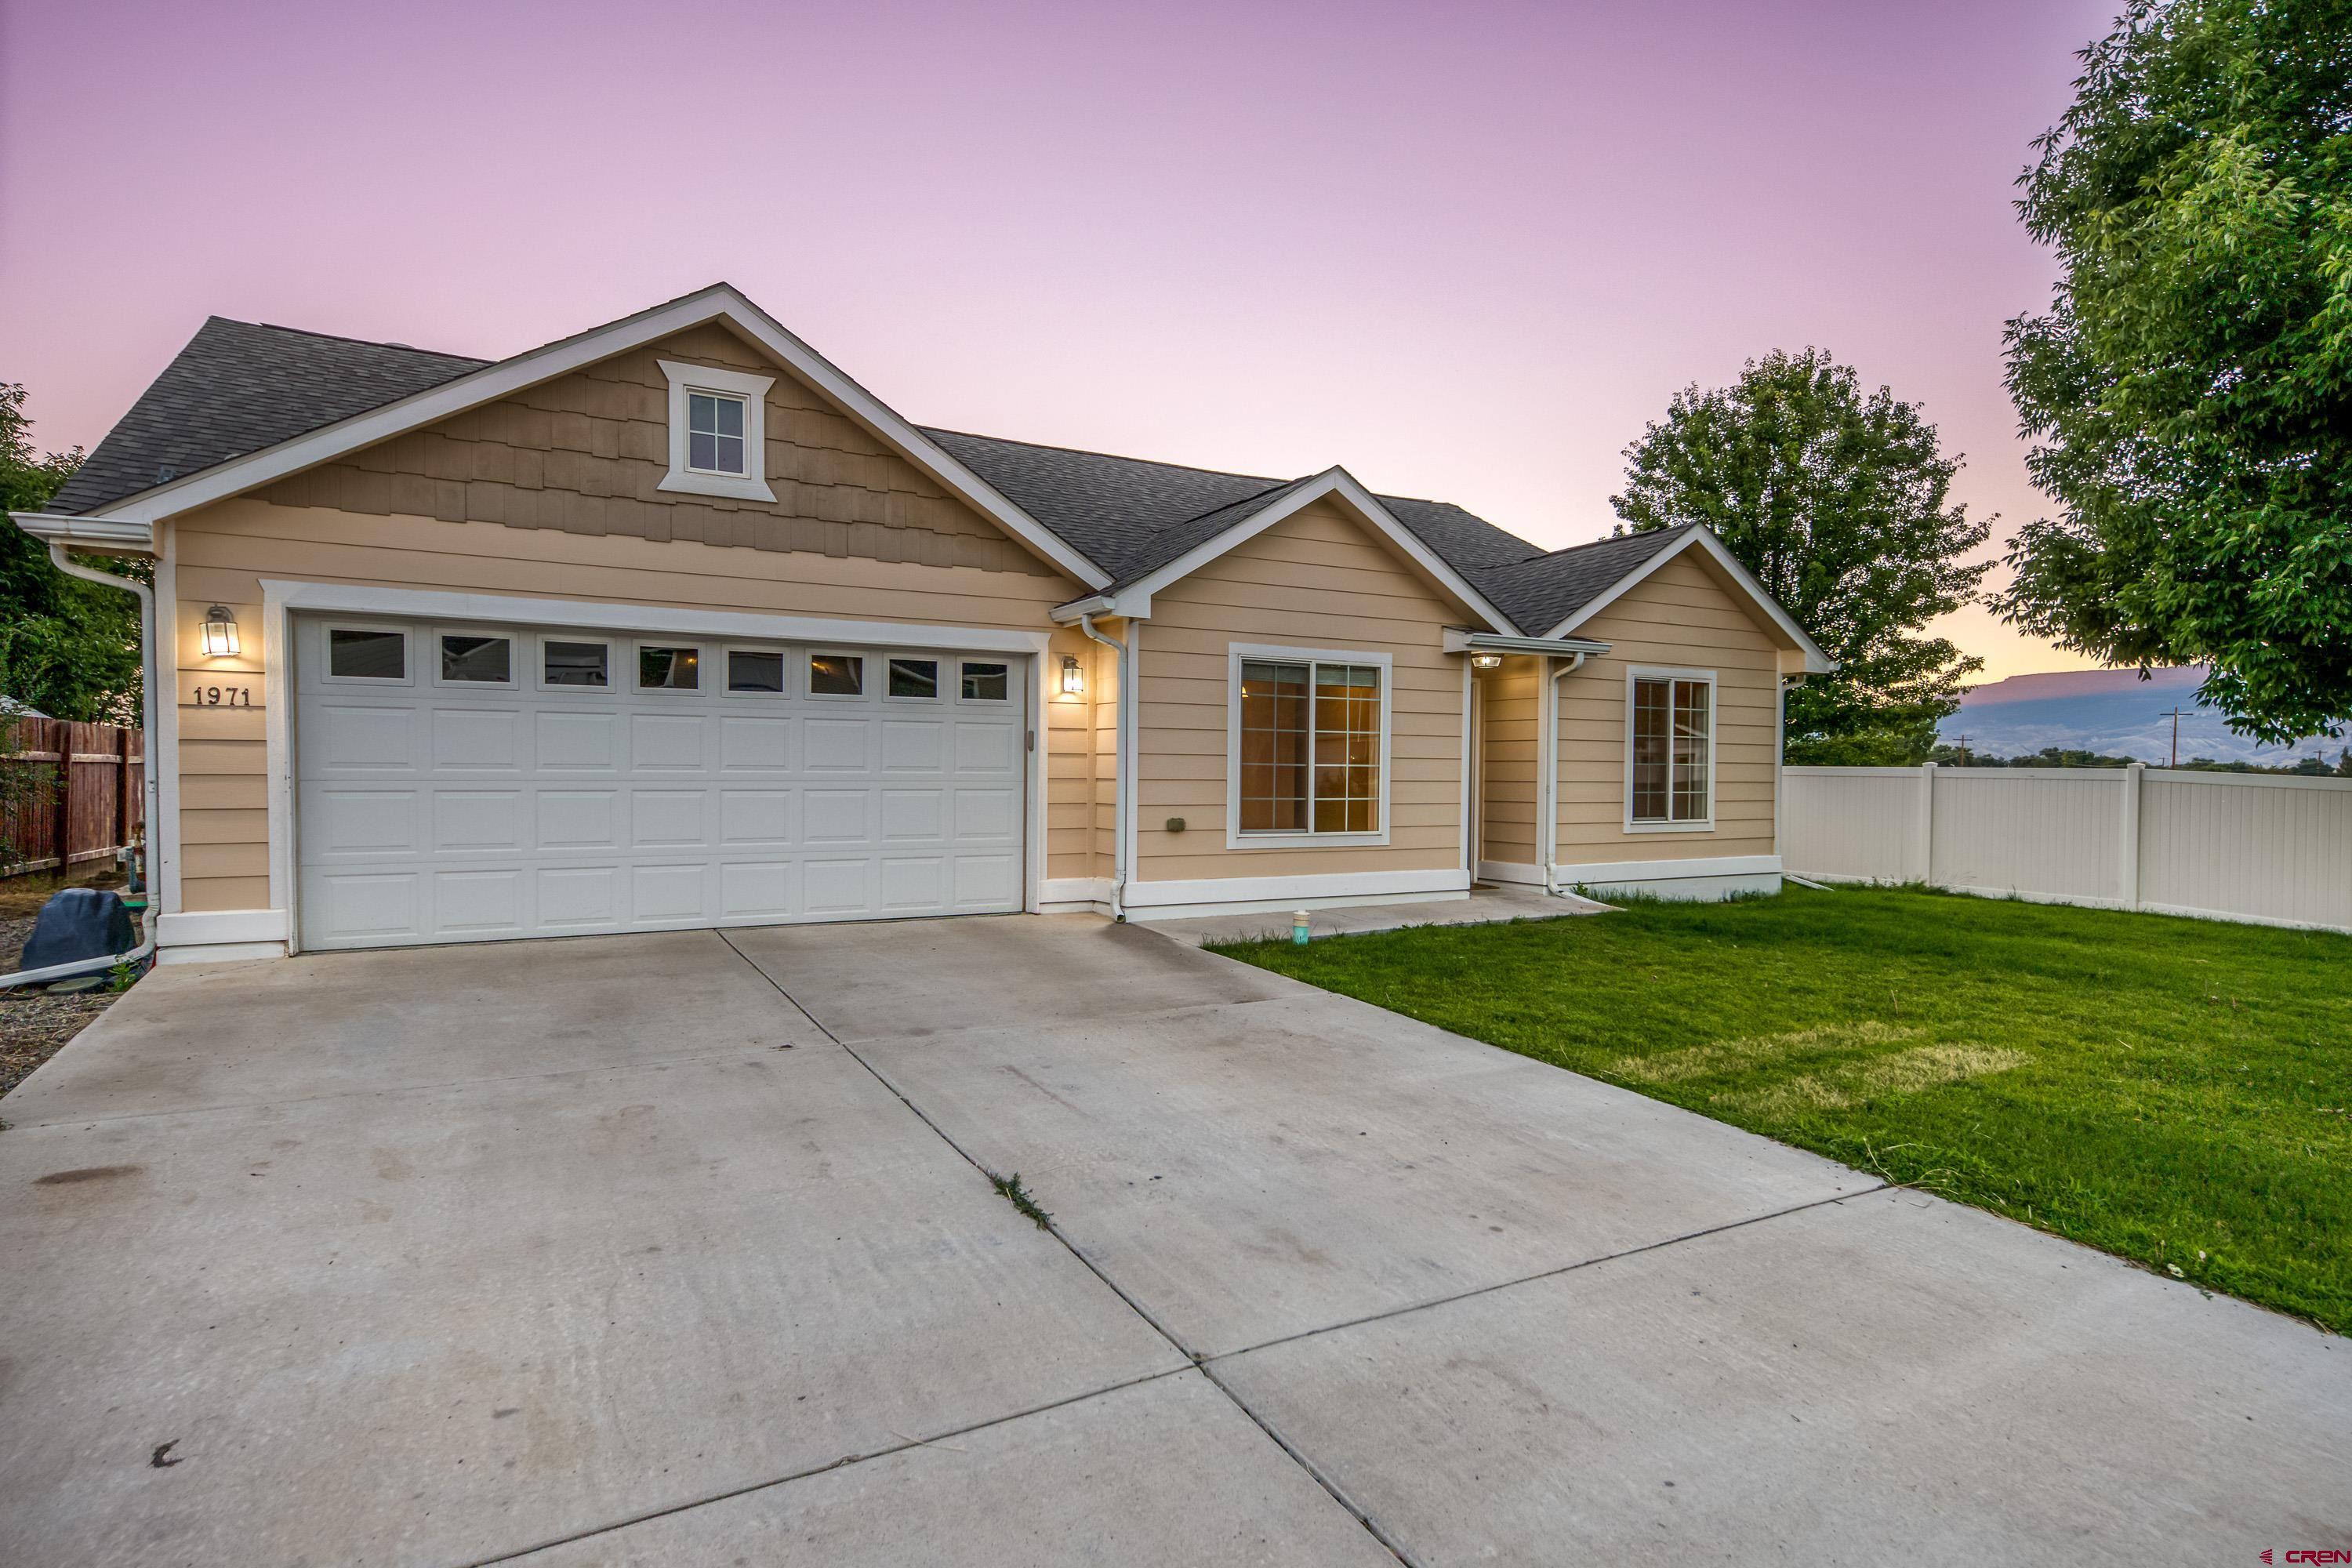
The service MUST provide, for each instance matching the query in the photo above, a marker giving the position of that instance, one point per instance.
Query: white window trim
(517, 648)
(751, 484)
(868, 688)
(943, 672)
(327, 677)
(615, 650)
(1714, 746)
(637, 667)
(1234, 655)
(726, 666)
(1011, 681)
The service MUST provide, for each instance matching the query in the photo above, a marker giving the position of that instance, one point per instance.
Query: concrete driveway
(604, 1251)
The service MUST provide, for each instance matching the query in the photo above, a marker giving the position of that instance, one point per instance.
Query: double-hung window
(1671, 765)
(1310, 734)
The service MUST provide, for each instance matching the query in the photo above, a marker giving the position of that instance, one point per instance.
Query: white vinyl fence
(2240, 847)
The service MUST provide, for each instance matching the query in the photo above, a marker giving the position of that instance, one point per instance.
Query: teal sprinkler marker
(1298, 931)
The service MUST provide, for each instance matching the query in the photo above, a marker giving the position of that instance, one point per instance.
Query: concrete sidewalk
(605, 1251)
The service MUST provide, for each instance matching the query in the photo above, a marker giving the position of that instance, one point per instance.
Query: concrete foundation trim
(1623, 872)
(216, 926)
(220, 953)
(1247, 895)
(1517, 872)
(1074, 896)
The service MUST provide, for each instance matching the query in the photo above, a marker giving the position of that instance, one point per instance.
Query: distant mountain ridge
(2112, 711)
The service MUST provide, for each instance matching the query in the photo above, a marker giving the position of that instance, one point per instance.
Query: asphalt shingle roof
(238, 387)
(1539, 594)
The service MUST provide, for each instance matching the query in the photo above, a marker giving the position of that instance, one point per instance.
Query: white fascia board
(1135, 598)
(507, 377)
(1457, 640)
(1703, 538)
(91, 535)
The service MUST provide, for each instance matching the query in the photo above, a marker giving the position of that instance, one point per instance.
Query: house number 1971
(223, 697)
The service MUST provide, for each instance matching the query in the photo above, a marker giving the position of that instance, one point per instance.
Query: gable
(1686, 604)
(1319, 567)
(586, 453)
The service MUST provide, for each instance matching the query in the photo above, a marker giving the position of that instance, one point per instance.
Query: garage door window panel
(571, 664)
(376, 656)
(836, 674)
(668, 667)
(915, 679)
(986, 682)
(475, 660)
(756, 671)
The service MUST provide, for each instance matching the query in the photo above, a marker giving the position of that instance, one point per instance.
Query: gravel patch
(33, 1024)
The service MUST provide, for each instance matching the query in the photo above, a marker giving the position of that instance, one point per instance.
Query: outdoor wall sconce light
(1485, 661)
(220, 633)
(1074, 683)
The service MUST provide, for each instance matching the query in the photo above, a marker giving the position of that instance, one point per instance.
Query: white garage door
(473, 783)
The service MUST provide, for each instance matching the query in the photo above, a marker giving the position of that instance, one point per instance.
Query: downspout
(149, 771)
(1550, 837)
(1122, 775)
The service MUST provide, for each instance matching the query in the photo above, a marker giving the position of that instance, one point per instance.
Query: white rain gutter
(1122, 774)
(87, 533)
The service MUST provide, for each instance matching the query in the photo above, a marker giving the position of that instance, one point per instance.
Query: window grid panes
(985, 683)
(1310, 758)
(714, 433)
(1672, 723)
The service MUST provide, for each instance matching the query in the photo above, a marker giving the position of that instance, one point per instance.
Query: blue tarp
(79, 923)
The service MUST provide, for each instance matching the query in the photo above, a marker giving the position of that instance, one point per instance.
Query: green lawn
(2177, 1091)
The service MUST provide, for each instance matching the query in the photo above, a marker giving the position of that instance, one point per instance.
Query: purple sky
(1466, 250)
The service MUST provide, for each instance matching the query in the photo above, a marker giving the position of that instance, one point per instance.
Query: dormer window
(714, 433)
(717, 431)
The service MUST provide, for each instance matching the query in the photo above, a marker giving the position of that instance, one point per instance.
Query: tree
(1837, 503)
(2190, 390)
(67, 647)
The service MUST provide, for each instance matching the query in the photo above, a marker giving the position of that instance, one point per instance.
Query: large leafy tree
(1839, 502)
(2189, 390)
(67, 647)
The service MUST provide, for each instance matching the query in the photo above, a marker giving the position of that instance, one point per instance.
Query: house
(672, 623)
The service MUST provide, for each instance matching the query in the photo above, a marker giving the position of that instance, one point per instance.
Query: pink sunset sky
(1467, 250)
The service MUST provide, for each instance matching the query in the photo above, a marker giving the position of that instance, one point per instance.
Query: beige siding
(1508, 790)
(1315, 580)
(223, 551)
(1680, 617)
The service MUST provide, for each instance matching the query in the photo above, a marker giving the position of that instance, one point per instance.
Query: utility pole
(2174, 715)
(1962, 742)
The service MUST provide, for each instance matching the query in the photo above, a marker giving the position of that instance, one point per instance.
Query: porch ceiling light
(1074, 682)
(1485, 661)
(220, 633)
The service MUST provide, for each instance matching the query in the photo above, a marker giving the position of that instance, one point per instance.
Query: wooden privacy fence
(88, 784)
(2263, 847)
